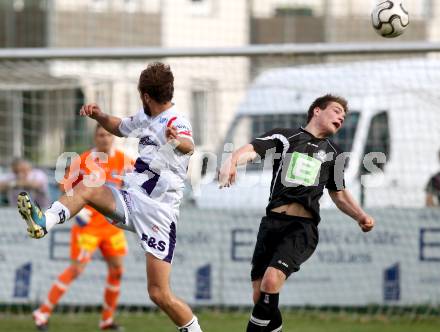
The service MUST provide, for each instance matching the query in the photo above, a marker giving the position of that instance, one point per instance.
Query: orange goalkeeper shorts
(85, 240)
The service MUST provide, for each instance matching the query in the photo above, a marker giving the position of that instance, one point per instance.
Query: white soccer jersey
(160, 170)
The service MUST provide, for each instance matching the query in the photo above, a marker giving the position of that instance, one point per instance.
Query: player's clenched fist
(90, 110)
(171, 133)
(366, 223)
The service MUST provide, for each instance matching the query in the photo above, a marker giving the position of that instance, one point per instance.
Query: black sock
(275, 323)
(263, 312)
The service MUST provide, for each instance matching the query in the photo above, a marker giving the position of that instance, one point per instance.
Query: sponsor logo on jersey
(162, 120)
(182, 126)
(321, 155)
(303, 169)
(146, 140)
(153, 243)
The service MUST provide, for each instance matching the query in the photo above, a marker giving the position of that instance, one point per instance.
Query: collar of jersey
(311, 135)
(160, 114)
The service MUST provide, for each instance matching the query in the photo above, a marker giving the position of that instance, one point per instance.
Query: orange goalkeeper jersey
(109, 172)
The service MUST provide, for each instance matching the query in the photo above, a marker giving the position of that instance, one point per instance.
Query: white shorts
(154, 222)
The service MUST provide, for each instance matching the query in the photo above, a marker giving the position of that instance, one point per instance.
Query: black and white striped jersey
(303, 165)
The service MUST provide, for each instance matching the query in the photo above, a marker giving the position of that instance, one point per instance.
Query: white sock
(56, 214)
(191, 326)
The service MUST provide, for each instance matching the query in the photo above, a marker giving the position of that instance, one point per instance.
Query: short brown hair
(322, 103)
(158, 81)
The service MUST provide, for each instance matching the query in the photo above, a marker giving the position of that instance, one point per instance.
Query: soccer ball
(390, 18)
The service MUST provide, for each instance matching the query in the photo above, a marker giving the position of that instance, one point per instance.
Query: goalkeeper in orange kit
(93, 231)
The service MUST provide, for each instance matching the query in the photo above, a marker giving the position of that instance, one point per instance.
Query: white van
(394, 109)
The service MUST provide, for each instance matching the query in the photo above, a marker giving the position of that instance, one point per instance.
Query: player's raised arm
(183, 144)
(347, 204)
(109, 122)
(228, 171)
(179, 133)
(272, 140)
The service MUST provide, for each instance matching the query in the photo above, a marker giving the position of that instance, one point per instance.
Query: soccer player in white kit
(150, 204)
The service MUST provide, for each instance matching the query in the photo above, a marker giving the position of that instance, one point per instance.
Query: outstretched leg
(158, 276)
(39, 223)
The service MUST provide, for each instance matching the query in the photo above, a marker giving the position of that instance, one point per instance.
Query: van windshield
(247, 127)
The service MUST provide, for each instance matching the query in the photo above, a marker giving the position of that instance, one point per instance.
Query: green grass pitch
(213, 321)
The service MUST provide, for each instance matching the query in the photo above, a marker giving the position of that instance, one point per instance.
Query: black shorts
(283, 242)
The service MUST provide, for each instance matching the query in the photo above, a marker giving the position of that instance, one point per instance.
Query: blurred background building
(206, 93)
